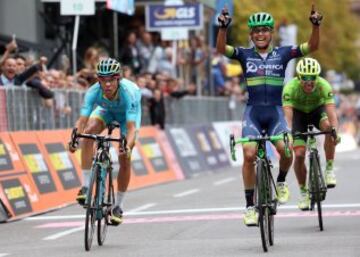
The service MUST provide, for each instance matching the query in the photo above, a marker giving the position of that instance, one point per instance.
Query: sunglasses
(308, 77)
(257, 30)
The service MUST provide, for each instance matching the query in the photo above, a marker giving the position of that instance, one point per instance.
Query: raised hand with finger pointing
(224, 18)
(315, 17)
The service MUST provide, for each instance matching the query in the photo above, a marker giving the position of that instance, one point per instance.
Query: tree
(339, 34)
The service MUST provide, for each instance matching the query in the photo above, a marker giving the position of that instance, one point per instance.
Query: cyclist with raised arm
(112, 98)
(264, 70)
(308, 99)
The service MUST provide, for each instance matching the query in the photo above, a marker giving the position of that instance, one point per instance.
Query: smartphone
(14, 37)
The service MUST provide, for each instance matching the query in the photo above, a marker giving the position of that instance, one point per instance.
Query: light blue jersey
(124, 108)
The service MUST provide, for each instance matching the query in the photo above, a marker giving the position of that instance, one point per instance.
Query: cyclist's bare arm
(315, 18)
(224, 20)
(81, 123)
(288, 111)
(221, 41)
(131, 134)
(330, 110)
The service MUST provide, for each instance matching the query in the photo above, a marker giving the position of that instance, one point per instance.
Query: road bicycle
(265, 196)
(100, 196)
(316, 181)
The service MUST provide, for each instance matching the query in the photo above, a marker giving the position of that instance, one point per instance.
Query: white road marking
(179, 211)
(64, 233)
(143, 207)
(4, 254)
(62, 217)
(186, 193)
(224, 181)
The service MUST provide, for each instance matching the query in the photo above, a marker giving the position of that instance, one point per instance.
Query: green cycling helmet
(108, 67)
(261, 19)
(308, 66)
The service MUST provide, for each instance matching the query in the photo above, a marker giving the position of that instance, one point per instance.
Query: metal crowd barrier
(26, 110)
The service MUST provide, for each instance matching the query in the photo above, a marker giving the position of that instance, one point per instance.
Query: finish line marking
(184, 211)
(79, 225)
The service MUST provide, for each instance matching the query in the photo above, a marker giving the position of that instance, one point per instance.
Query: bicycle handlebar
(234, 142)
(317, 133)
(98, 138)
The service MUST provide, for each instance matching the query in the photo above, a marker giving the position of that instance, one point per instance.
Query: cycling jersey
(294, 96)
(265, 77)
(125, 107)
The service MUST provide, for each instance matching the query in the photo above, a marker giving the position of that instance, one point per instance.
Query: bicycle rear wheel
(316, 194)
(90, 211)
(262, 204)
(108, 202)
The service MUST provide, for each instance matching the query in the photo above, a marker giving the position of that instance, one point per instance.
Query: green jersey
(294, 96)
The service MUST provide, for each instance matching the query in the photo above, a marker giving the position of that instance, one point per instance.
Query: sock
(119, 199)
(86, 177)
(281, 177)
(329, 164)
(249, 196)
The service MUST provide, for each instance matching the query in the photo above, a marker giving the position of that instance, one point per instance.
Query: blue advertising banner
(191, 161)
(188, 16)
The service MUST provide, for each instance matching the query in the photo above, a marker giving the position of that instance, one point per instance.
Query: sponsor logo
(175, 13)
(252, 67)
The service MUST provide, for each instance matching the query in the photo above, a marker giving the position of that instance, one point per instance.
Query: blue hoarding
(174, 16)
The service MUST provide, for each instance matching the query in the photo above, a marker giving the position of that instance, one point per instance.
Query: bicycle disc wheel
(107, 202)
(261, 203)
(315, 171)
(90, 212)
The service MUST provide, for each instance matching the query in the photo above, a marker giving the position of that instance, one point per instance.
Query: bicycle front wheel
(107, 202)
(90, 212)
(261, 191)
(271, 208)
(316, 194)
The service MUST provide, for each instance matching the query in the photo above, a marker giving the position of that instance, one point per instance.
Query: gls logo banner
(174, 16)
(252, 67)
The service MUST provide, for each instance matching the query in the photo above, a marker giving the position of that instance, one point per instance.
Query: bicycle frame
(266, 203)
(316, 181)
(97, 207)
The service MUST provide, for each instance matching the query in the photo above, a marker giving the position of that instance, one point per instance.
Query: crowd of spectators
(162, 69)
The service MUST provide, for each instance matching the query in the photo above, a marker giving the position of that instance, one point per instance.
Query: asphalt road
(200, 217)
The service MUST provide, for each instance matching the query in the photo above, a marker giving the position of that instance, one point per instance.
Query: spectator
(130, 55)
(141, 82)
(157, 109)
(9, 48)
(165, 65)
(9, 76)
(198, 55)
(128, 73)
(146, 49)
(218, 72)
(91, 58)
